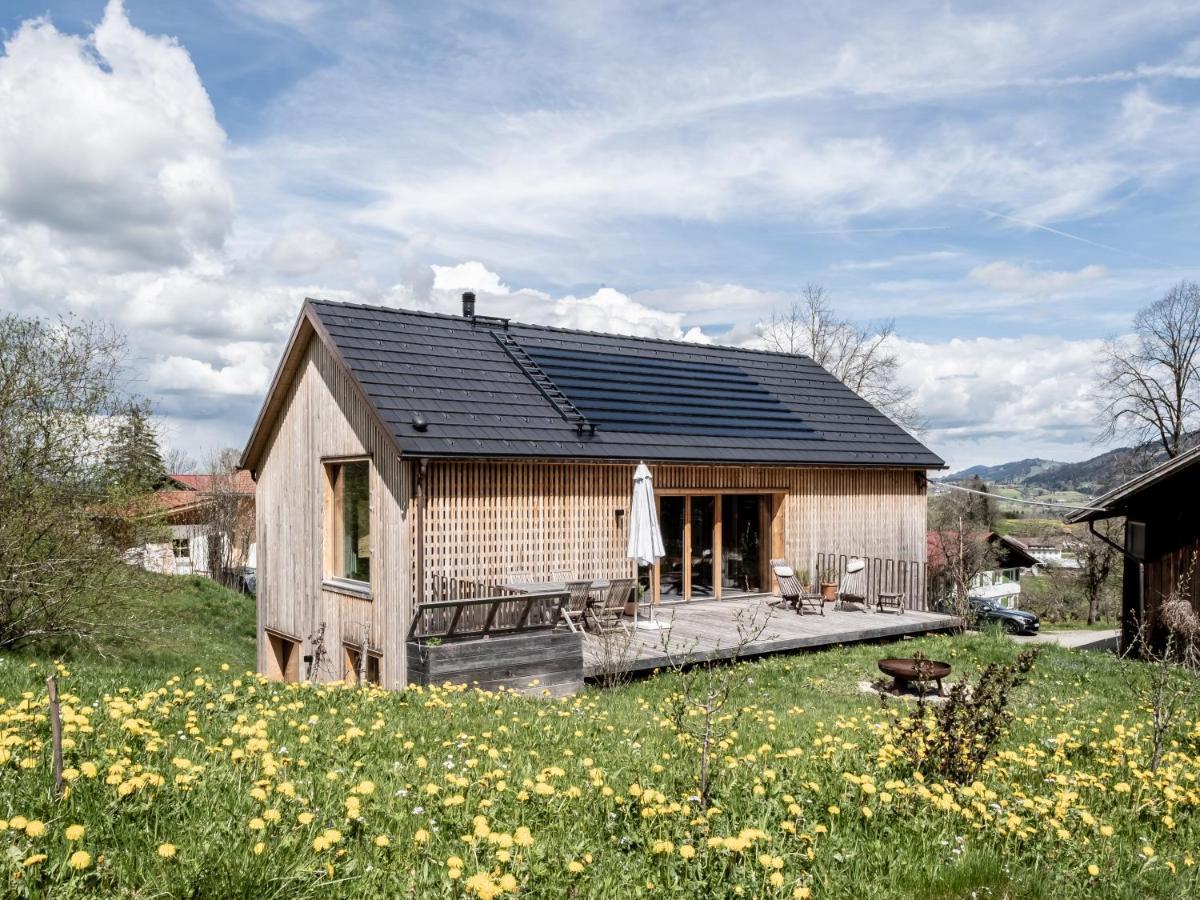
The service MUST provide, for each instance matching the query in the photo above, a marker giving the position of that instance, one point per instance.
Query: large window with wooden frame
(348, 523)
(718, 544)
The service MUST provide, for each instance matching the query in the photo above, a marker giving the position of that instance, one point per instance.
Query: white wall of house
(1002, 586)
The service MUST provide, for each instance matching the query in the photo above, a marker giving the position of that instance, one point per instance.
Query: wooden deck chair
(579, 596)
(610, 611)
(852, 591)
(791, 591)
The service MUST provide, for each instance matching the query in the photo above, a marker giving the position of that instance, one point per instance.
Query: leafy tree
(61, 571)
(134, 460)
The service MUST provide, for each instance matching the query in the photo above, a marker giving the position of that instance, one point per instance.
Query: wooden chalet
(404, 458)
(1161, 541)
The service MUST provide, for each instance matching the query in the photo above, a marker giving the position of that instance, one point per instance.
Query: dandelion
(421, 836)
(1093, 870)
(34, 860)
(74, 832)
(166, 851)
(80, 859)
(574, 867)
(259, 848)
(687, 851)
(382, 840)
(36, 828)
(1148, 852)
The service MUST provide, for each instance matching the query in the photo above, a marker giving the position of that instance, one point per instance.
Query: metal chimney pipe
(468, 304)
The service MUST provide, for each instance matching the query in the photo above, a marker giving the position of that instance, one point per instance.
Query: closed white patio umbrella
(645, 539)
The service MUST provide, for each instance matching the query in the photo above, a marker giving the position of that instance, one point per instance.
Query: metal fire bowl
(914, 669)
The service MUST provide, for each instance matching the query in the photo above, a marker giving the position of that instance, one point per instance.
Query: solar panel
(651, 395)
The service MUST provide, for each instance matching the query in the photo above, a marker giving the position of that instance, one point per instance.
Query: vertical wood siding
(323, 416)
(486, 519)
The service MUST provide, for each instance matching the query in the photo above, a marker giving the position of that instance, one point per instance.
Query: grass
(217, 783)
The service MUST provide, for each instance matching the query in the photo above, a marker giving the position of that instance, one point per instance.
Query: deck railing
(477, 617)
(901, 576)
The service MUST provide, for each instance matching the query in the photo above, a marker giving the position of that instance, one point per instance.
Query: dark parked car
(1014, 621)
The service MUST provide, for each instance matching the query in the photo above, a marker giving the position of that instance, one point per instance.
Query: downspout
(1141, 570)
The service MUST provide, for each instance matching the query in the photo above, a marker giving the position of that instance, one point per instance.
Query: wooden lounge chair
(579, 601)
(610, 611)
(791, 591)
(852, 591)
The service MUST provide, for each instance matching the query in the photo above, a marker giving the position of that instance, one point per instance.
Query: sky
(1008, 182)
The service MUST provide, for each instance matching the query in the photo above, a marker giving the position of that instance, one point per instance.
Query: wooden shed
(404, 457)
(1162, 538)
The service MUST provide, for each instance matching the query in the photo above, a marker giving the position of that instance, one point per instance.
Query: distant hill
(1092, 476)
(1006, 473)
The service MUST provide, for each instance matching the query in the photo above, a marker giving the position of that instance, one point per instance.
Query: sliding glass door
(716, 545)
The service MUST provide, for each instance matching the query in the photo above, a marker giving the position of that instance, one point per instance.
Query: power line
(942, 485)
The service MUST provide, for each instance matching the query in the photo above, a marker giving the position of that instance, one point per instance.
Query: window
(181, 547)
(348, 522)
(353, 662)
(283, 658)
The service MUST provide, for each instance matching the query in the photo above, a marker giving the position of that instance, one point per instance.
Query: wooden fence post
(56, 732)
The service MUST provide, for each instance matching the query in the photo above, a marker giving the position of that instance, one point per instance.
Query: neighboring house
(1001, 583)
(404, 457)
(1051, 552)
(1162, 539)
(208, 520)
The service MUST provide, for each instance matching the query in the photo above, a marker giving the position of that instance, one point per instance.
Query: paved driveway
(1076, 640)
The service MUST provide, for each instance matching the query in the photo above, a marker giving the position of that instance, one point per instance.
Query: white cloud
(305, 252)
(995, 399)
(110, 141)
(1005, 276)
(468, 276)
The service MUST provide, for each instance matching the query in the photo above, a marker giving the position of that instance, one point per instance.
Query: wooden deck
(708, 630)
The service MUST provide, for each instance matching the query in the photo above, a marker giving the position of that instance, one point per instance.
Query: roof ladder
(542, 382)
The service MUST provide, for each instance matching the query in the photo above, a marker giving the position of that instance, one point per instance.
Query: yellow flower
(257, 824)
(1148, 852)
(802, 893)
(508, 883)
(866, 811)
(74, 832)
(687, 851)
(166, 851)
(575, 867)
(36, 828)
(80, 859)
(421, 837)
(1106, 830)
(522, 837)
(305, 818)
(1093, 870)
(259, 848)
(776, 879)
(18, 823)
(382, 840)
(833, 810)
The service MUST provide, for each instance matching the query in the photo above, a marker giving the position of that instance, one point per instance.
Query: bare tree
(698, 711)
(962, 553)
(858, 355)
(1097, 561)
(229, 515)
(1163, 675)
(178, 462)
(1150, 385)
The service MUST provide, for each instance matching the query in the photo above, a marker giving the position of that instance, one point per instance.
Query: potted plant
(827, 574)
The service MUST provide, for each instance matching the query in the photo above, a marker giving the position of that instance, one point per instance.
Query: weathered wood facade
(1161, 541)
(450, 525)
(322, 417)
